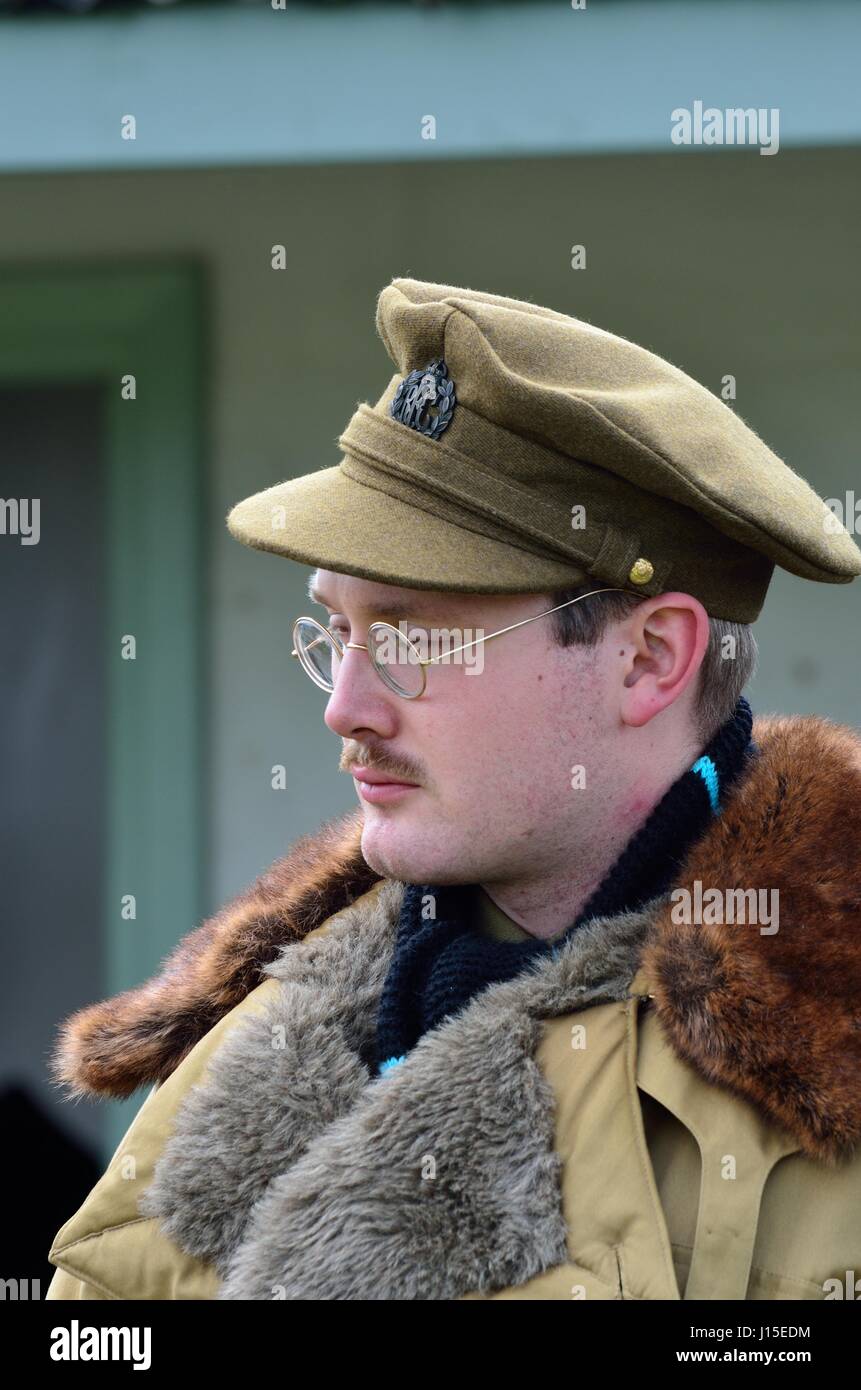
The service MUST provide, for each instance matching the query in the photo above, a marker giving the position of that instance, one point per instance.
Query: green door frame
(85, 322)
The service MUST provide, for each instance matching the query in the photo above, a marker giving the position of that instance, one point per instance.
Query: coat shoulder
(107, 1244)
(108, 1249)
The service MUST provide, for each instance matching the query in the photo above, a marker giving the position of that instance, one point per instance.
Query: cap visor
(330, 521)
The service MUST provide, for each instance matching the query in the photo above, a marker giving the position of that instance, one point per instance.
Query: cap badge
(641, 571)
(418, 391)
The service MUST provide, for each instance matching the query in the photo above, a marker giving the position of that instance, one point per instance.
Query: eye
(339, 627)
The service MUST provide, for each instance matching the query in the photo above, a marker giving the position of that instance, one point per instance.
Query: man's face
(485, 760)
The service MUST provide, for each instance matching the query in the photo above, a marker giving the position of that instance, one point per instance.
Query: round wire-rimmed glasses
(396, 659)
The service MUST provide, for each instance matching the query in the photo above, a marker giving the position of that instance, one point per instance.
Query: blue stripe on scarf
(709, 773)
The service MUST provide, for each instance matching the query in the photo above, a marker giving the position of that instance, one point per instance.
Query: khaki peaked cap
(520, 420)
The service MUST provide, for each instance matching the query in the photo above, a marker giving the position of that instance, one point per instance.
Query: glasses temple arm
(531, 619)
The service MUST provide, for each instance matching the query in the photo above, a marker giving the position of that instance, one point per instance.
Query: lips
(379, 779)
(379, 789)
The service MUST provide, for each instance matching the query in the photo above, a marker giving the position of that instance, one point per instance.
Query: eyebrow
(380, 610)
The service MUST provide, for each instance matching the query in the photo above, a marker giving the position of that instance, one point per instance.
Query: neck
(545, 905)
(632, 849)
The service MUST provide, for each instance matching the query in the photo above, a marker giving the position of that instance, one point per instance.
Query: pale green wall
(724, 262)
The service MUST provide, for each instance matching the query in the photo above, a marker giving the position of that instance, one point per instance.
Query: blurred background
(158, 363)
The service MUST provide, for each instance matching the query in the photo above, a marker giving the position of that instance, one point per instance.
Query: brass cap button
(641, 571)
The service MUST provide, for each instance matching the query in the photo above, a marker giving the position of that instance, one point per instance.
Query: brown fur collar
(141, 1036)
(777, 1019)
(774, 1018)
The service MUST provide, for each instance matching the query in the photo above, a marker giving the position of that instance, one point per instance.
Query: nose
(360, 702)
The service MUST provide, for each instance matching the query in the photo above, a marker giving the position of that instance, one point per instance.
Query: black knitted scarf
(439, 964)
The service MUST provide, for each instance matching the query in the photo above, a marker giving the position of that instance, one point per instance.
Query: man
(569, 1007)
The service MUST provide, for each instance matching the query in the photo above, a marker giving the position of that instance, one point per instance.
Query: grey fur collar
(434, 1180)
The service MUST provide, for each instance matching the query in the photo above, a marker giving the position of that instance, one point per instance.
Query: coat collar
(777, 1018)
(325, 1180)
(773, 1018)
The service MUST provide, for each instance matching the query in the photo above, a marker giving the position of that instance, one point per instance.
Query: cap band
(440, 479)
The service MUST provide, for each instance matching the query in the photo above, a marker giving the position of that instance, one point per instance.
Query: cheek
(506, 735)
(535, 705)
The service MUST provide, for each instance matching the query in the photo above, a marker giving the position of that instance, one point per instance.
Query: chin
(390, 852)
(403, 852)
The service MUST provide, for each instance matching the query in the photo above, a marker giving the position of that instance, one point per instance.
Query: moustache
(365, 755)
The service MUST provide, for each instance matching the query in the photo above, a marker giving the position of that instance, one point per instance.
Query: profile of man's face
(487, 759)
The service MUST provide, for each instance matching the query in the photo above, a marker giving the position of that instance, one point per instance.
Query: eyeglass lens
(396, 659)
(393, 656)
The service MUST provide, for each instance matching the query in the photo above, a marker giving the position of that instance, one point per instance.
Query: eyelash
(342, 629)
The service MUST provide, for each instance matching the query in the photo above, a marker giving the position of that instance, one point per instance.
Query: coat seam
(617, 1251)
(761, 1269)
(580, 1266)
(778, 1274)
(632, 1004)
(83, 1276)
(94, 1235)
(85, 1279)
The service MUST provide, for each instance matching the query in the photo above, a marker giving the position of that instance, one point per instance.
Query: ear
(662, 646)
